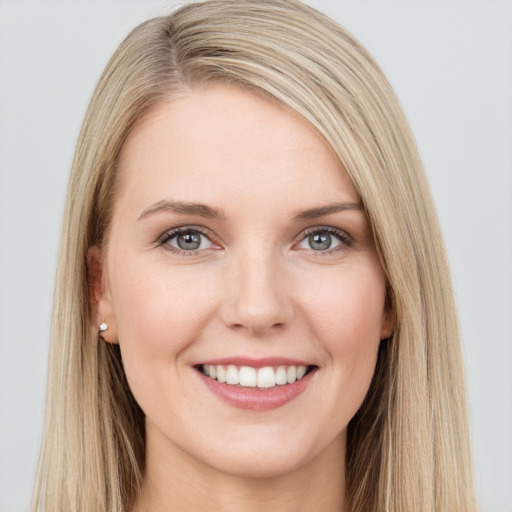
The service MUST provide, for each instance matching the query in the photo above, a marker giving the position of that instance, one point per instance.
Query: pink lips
(256, 362)
(253, 398)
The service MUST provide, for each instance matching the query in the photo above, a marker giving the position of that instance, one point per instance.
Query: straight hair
(408, 445)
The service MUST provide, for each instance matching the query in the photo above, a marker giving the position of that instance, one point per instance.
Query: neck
(174, 481)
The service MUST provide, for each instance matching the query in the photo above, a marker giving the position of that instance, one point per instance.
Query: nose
(258, 298)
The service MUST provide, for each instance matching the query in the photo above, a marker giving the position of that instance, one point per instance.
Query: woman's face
(238, 247)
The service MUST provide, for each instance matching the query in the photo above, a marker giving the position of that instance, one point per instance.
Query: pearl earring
(103, 327)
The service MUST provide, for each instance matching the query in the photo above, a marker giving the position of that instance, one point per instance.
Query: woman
(252, 307)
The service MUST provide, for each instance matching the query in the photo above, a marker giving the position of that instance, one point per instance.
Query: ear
(388, 317)
(99, 296)
(388, 324)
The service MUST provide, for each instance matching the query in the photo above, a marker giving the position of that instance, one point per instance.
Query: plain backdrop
(451, 64)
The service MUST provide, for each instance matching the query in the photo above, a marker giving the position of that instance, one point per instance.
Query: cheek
(159, 312)
(347, 306)
(159, 309)
(346, 314)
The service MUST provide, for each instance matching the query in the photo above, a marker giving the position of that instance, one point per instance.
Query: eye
(186, 240)
(325, 240)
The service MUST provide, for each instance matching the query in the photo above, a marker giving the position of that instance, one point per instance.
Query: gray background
(451, 64)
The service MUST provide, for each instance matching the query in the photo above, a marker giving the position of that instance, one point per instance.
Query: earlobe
(99, 296)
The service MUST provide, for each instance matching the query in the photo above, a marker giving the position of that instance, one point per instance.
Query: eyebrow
(314, 213)
(182, 207)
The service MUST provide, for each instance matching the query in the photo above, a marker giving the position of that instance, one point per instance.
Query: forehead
(220, 143)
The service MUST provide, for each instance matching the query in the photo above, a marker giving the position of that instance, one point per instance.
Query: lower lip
(255, 399)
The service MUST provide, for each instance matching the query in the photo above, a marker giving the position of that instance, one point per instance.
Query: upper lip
(255, 362)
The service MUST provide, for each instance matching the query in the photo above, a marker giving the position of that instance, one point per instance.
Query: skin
(256, 287)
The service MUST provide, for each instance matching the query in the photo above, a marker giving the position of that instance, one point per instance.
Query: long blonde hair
(408, 448)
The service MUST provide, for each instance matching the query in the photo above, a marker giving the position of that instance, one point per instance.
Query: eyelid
(173, 232)
(345, 239)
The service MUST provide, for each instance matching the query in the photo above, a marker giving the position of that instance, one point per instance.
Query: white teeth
(266, 377)
(221, 374)
(232, 375)
(291, 374)
(247, 376)
(281, 376)
(301, 371)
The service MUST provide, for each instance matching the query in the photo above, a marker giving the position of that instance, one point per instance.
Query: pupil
(320, 241)
(189, 241)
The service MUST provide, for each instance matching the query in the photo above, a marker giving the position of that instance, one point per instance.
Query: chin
(272, 456)
(259, 465)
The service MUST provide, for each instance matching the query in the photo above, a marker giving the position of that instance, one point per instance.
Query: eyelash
(346, 241)
(169, 235)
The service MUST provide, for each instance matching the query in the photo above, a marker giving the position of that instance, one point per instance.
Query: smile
(250, 377)
(257, 385)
